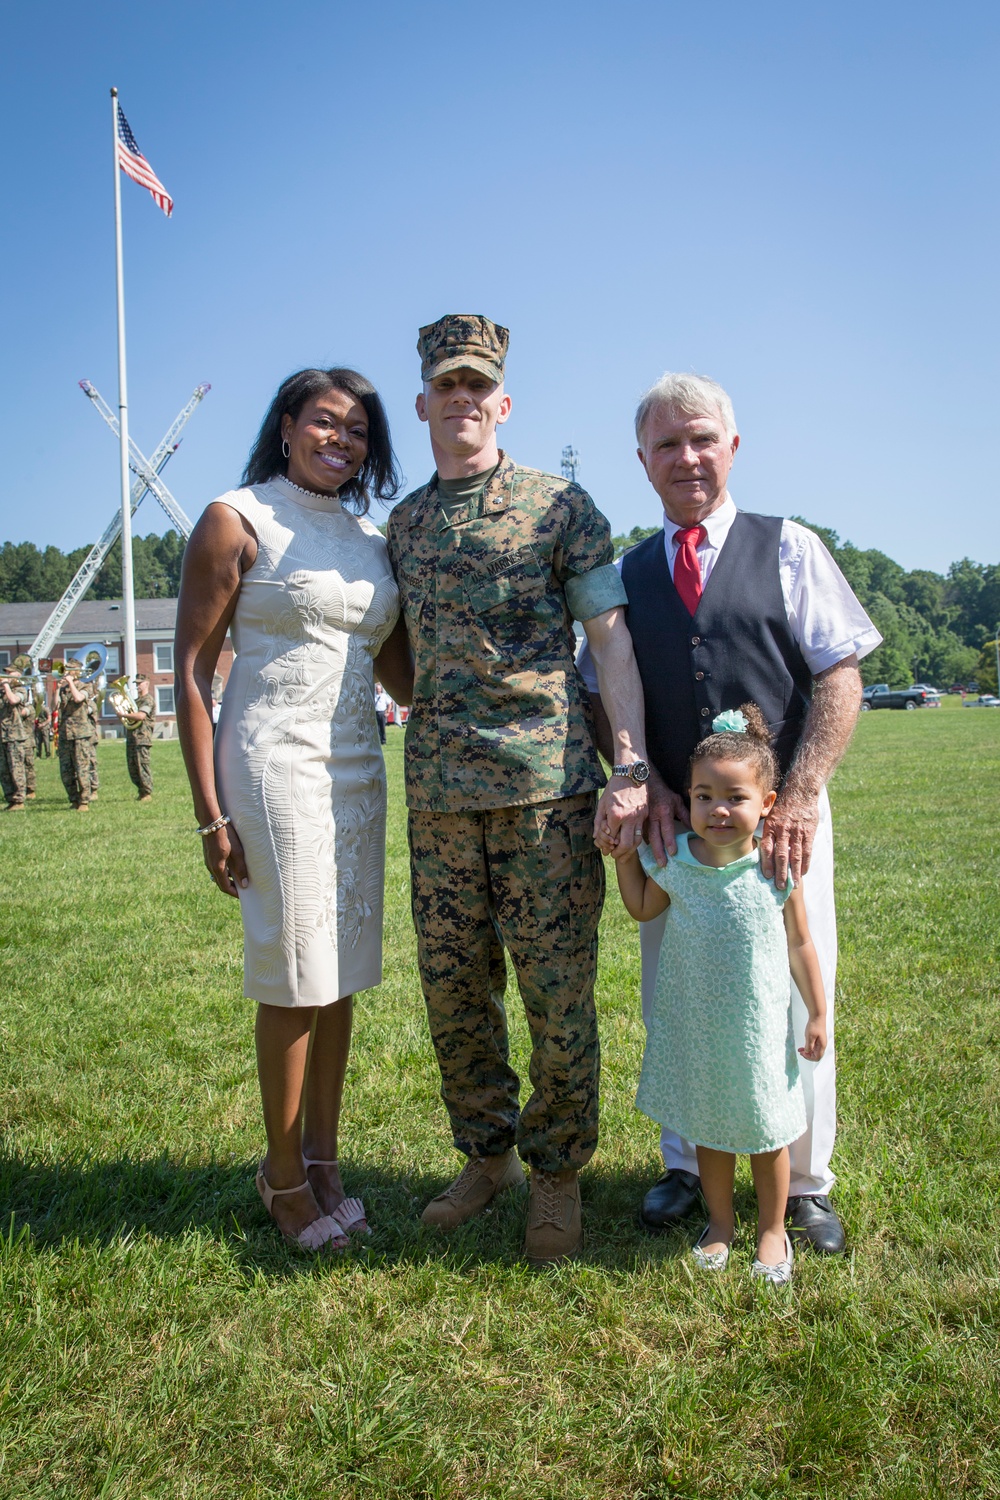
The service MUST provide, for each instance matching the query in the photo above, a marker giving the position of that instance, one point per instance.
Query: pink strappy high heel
(350, 1214)
(324, 1233)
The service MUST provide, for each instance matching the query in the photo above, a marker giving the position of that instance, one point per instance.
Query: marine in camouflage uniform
(75, 740)
(43, 732)
(138, 738)
(93, 708)
(28, 715)
(13, 735)
(501, 786)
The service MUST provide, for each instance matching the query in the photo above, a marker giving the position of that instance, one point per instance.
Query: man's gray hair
(694, 395)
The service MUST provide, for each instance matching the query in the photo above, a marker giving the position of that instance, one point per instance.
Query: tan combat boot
(554, 1231)
(481, 1180)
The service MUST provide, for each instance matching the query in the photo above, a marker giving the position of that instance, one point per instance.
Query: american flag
(135, 165)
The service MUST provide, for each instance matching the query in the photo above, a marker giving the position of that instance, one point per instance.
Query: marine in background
(75, 738)
(12, 737)
(93, 709)
(28, 716)
(43, 732)
(138, 738)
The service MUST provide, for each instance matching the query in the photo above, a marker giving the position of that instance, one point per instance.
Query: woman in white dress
(290, 800)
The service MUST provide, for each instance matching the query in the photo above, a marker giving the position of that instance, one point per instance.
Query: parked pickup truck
(880, 695)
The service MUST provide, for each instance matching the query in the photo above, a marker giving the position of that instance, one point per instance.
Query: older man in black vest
(726, 606)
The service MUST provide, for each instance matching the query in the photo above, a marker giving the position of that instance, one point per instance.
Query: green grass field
(157, 1339)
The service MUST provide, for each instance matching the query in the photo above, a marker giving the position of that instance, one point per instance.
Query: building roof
(92, 620)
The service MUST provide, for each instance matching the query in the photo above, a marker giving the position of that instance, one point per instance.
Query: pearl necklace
(313, 494)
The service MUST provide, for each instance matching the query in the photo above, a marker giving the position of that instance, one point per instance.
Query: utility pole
(570, 463)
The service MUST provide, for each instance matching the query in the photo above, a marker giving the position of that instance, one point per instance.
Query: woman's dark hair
(752, 748)
(379, 474)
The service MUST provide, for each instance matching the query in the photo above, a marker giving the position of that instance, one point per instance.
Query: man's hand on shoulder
(789, 831)
(666, 810)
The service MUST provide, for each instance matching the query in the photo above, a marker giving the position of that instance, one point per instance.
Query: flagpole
(128, 591)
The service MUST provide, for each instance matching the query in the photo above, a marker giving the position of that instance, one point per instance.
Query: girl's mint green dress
(720, 1065)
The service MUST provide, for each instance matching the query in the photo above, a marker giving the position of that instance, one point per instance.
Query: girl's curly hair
(752, 748)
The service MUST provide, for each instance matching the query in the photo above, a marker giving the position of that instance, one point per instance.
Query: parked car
(986, 700)
(880, 695)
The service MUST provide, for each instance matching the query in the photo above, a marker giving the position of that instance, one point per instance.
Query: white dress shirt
(824, 615)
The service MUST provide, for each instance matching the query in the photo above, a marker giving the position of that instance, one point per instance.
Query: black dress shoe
(813, 1221)
(671, 1200)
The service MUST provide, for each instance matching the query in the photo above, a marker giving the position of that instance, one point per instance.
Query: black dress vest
(737, 646)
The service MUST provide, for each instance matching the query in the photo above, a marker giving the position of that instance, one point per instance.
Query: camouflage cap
(462, 341)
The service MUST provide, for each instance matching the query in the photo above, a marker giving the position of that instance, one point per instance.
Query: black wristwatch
(638, 771)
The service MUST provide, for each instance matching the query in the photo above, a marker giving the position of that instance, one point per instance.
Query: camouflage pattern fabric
(137, 743)
(500, 714)
(43, 732)
(74, 722)
(95, 735)
(74, 768)
(143, 733)
(137, 760)
(463, 341)
(12, 726)
(529, 878)
(12, 777)
(30, 785)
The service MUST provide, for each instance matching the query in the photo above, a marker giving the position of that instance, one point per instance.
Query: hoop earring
(286, 452)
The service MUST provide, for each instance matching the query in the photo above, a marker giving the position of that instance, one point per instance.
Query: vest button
(699, 676)
(705, 713)
(696, 640)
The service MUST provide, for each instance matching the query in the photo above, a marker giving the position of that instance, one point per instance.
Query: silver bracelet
(214, 827)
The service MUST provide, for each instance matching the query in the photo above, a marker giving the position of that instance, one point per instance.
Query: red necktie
(687, 569)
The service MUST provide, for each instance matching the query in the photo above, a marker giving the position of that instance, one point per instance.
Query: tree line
(30, 575)
(937, 628)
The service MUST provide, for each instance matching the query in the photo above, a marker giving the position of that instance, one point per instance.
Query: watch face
(639, 771)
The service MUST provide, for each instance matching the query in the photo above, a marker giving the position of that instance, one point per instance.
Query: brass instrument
(121, 700)
(90, 664)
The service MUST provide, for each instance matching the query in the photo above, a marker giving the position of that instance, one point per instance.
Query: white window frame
(111, 667)
(159, 646)
(165, 699)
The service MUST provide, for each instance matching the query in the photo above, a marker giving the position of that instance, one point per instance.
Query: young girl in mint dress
(720, 1065)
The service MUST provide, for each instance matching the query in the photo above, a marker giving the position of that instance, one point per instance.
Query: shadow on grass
(101, 1203)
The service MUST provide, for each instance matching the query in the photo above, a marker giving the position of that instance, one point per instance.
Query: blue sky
(798, 200)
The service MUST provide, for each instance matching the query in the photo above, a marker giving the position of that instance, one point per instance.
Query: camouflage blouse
(500, 715)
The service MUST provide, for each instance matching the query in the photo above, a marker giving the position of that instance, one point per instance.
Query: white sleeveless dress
(297, 758)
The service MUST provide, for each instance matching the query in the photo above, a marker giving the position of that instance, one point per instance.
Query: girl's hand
(815, 1041)
(224, 860)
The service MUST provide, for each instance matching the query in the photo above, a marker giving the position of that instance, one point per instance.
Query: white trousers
(811, 1153)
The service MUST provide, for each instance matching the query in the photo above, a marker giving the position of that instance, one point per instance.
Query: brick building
(101, 621)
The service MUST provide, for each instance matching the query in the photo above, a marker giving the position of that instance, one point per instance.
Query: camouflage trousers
(530, 880)
(12, 771)
(74, 768)
(95, 780)
(43, 743)
(137, 759)
(29, 766)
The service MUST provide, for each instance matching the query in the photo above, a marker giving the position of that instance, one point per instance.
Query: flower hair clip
(731, 721)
